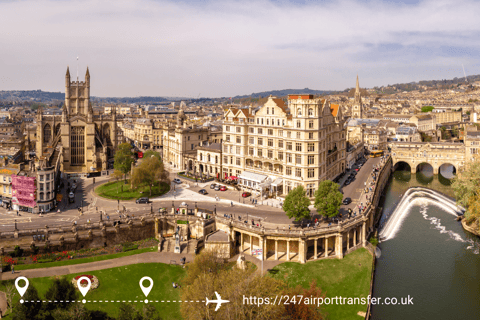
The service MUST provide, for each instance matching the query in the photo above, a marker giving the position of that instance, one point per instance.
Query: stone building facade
(180, 144)
(280, 147)
(88, 139)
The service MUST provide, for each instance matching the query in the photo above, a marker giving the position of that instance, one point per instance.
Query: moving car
(347, 201)
(176, 180)
(142, 200)
(203, 191)
(162, 210)
(246, 194)
(217, 187)
(71, 197)
(213, 186)
(223, 188)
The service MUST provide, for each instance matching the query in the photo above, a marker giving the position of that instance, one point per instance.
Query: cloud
(224, 48)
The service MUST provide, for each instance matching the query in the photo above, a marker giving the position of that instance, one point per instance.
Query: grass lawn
(82, 260)
(349, 277)
(122, 283)
(112, 190)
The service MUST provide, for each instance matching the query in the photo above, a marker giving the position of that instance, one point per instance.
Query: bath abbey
(83, 140)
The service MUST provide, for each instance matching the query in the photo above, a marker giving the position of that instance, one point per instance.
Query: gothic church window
(47, 133)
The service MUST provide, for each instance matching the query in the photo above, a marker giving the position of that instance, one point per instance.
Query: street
(185, 192)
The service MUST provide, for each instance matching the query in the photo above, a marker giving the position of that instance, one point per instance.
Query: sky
(227, 48)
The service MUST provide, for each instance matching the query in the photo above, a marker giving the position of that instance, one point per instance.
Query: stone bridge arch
(399, 163)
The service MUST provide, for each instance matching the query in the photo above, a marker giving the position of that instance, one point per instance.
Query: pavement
(268, 214)
(146, 257)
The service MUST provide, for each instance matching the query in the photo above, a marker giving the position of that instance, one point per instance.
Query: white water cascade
(412, 197)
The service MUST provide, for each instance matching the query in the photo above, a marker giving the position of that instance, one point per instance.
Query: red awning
(232, 178)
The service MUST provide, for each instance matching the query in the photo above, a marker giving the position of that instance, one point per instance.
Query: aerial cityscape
(141, 179)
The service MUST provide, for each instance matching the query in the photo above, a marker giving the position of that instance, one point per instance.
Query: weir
(411, 196)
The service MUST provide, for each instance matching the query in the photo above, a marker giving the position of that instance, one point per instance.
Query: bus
(376, 153)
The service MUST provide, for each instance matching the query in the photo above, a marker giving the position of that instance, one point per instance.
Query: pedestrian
(365, 183)
(17, 213)
(13, 268)
(289, 228)
(231, 203)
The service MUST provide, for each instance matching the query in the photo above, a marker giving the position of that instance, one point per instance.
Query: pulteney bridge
(435, 154)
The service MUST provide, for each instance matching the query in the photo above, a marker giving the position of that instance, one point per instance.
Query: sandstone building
(279, 147)
(88, 139)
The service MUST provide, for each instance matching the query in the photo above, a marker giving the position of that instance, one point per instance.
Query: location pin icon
(21, 290)
(84, 290)
(146, 290)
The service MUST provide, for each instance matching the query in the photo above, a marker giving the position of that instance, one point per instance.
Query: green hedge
(129, 248)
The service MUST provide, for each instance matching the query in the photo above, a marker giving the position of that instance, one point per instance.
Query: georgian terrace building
(278, 147)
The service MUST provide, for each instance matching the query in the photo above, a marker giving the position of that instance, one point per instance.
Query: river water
(431, 258)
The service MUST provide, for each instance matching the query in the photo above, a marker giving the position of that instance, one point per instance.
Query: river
(430, 258)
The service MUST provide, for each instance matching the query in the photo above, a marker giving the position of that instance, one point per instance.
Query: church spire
(357, 88)
(88, 73)
(68, 72)
(357, 109)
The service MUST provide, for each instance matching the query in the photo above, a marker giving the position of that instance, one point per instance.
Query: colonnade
(286, 247)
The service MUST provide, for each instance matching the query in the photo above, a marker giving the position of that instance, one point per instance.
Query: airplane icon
(219, 301)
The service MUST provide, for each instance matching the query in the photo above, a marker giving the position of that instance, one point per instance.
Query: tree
(127, 311)
(232, 284)
(60, 290)
(328, 199)
(117, 174)
(149, 171)
(151, 153)
(123, 158)
(296, 204)
(466, 184)
(10, 292)
(427, 108)
(302, 310)
(30, 311)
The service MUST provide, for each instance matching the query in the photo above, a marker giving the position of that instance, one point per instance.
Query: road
(185, 192)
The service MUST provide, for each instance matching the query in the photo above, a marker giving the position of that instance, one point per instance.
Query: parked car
(142, 200)
(246, 194)
(213, 186)
(176, 180)
(203, 191)
(347, 201)
(223, 188)
(347, 182)
(217, 187)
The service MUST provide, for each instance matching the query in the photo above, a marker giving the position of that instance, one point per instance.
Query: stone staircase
(169, 246)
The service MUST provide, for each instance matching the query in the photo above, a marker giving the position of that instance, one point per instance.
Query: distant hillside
(31, 95)
(139, 100)
(283, 93)
(49, 97)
